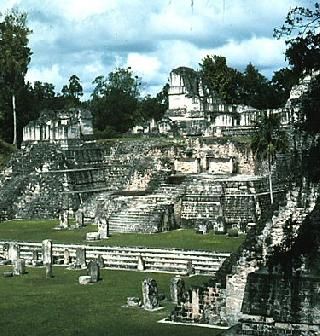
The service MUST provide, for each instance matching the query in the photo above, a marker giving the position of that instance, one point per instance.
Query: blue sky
(91, 38)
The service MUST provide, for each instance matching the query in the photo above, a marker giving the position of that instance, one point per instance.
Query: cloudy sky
(93, 37)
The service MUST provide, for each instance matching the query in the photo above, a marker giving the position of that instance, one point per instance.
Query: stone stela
(141, 264)
(80, 261)
(93, 270)
(177, 289)
(47, 257)
(150, 294)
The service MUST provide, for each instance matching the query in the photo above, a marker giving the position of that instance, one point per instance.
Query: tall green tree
(150, 108)
(115, 100)
(220, 80)
(301, 29)
(282, 81)
(256, 89)
(15, 56)
(163, 97)
(268, 139)
(73, 91)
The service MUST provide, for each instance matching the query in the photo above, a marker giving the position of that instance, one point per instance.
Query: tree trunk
(270, 180)
(14, 119)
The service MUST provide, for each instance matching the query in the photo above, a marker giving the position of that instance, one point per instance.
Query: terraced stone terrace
(38, 230)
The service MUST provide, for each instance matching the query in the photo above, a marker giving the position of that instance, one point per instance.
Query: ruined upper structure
(185, 95)
(192, 111)
(59, 126)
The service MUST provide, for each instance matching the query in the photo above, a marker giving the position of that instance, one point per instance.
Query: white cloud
(144, 65)
(49, 75)
(90, 38)
(263, 52)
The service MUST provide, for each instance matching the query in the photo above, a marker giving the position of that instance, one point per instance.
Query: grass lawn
(32, 305)
(185, 239)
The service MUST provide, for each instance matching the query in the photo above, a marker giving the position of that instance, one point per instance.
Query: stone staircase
(202, 200)
(126, 258)
(250, 261)
(144, 214)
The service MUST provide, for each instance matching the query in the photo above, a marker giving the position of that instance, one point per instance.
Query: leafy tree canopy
(301, 27)
(15, 56)
(115, 99)
(73, 91)
(269, 139)
(219, 79)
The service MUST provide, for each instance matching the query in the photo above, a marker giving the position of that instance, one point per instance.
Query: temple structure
(59, 126)
(193, 112)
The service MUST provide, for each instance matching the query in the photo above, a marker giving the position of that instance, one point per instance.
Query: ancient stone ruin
(207, 180)
(150, 294)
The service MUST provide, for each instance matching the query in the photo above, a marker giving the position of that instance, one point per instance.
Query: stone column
(66, 257)
(100, 261)
(195, 303)
(150, 294)
(37, 132)
(141, 264)
(80, 258)
(177, 288)
(79, 217)
(13, 251)
(189, 268)
(18, 267)
(47, 256)
(93, 270)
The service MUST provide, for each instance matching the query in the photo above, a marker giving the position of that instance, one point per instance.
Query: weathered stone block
(80, 261)
(93, 270)
(84, 279)
(47, 251)
(91, 236)
(19, 267)
(13, 251)
(133, 302)
(66, 257)
(177, 289)
(150, 294)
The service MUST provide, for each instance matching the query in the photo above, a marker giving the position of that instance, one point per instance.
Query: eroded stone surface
(19, 267)
(150, 294)
(80, 261)
(84, 279)
(93, 270)
(177, 289)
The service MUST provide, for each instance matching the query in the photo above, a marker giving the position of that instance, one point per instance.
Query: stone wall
(44, 177)
(127, 258)
(59, 126)
(237, 200)
(257, 298)
(294, 299)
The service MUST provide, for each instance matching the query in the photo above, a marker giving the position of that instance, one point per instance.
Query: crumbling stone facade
(262, 301)
(59, 126)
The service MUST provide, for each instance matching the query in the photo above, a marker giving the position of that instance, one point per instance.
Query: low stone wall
(126, 258)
